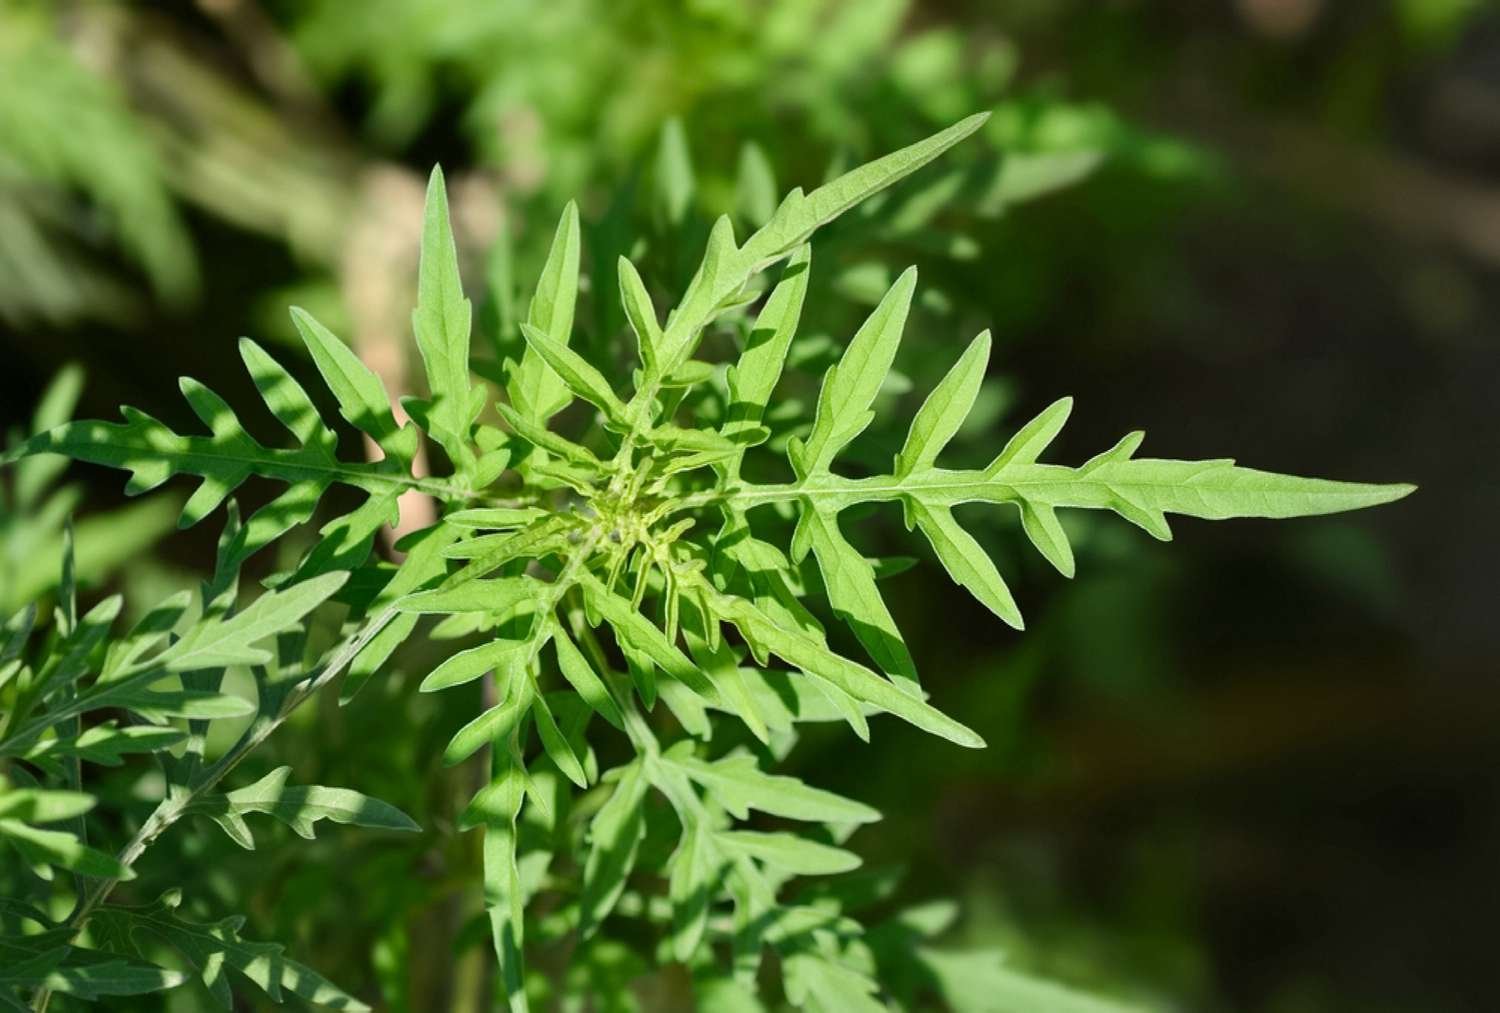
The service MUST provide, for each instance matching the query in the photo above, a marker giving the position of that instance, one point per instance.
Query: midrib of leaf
(270, 462)
(950, 487)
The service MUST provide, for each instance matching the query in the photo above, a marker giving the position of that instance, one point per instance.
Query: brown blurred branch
(278, 163)
(276, 65)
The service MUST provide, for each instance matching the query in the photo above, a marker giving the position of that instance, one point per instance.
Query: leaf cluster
(602, 552)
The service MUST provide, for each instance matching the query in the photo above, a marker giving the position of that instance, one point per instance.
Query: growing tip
(970, 739)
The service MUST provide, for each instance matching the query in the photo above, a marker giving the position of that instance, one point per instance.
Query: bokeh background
(1254, 769)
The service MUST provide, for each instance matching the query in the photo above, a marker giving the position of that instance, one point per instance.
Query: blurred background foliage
(1253, 771)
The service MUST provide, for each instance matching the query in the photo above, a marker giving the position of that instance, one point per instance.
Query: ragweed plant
(600, 554)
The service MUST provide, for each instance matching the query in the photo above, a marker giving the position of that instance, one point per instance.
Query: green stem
(174, 807)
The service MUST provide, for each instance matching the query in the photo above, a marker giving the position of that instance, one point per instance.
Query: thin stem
(748, 495)
(173, 807)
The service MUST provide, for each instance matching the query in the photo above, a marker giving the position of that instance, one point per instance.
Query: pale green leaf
(106, 745)
(504, 899)
(576, 669)
(788, 852)
(300, 807)
(736, 783)
(614, 838)
(813, 658)
(216, 643)
(849, 581)
(361, 397)
(754, 377)
(690, 886)
(534, 389)
(641, 314)
(40, 805)
(966, 561)
(977, 981)
(555, 743)
(755, 185)
(441, 323)
(498, 596)
(642, 635)
(795, 220)
(825, 986)
(674, 173)
(496, 724)
(581, 377)
(466, 666)
(945, 409)
(850, 387)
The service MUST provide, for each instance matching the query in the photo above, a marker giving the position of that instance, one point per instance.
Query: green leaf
(216, 947)
(724, 995)
(850, 387)
(504, 899)
(977, 981)
(641, 635)
(1034, 437)
(362, 398)
(229, 455)
(754, 377)
(539, 436)
(755, 185)
(106, 745)
(36, 805)
(299, 807)
(1046, 533)
(67, 663)
(555, 743)
(496, 724)
(788, 852)
(499, 655)
(441, 323)
(498, 596)
(796, 219)
(35, 474)
(641, 314)
(218, 643)
(721, 665)
(674, 173)
(91, 976)
(534, 388)
(287, 400)
(822, 984)
(494, 518)
(581, 378)
(158, 705)
(614, 838)
(944, 410)
(424, 564)
(581, 676)
(799, 649)
(1027, 175)
(43, 848)
(692, 871)
(849, 581)
(966, 561)
(736, 783)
